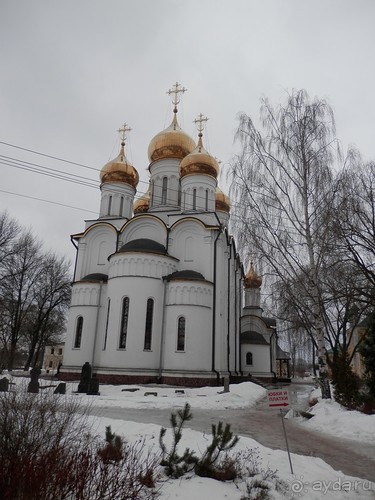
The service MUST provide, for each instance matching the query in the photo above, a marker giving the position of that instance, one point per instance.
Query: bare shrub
(47, 452)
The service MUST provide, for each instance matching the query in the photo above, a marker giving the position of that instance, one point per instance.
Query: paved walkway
(264, 425)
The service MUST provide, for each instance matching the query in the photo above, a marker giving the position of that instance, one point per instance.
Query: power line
(47, 201)
(49, 156)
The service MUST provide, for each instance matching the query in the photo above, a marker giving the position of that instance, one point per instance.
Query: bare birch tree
(282, 185)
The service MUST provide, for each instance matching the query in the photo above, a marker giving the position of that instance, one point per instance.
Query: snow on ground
(313, 479)
(333, 419)
(240, 396)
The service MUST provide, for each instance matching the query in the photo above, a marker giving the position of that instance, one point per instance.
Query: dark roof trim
(251, 337)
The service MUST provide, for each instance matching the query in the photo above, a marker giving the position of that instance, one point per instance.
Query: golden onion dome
(120, 170)
(252, 279)
(142, 204)
(199, 161)
(172, 142)
(222, 201)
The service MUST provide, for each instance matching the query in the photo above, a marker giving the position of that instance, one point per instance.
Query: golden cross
(200, 120)
(122, 131)
(176, 89)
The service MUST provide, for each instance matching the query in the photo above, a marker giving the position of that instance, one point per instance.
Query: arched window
(148, 327)
(194, 199)
(109, 205)
(121, 206)
(78, 335)
(206, 200)
(249, 358)
(106, 325)
(181, 334)
(164, 191)
(124, 323)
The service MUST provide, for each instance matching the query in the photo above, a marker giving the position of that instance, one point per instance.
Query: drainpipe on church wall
(162, 334)
(76, 259)
(214, 309)
(235, 321)
(96, 324)
(228, 310)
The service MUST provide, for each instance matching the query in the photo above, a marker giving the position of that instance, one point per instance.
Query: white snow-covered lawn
(313, 479)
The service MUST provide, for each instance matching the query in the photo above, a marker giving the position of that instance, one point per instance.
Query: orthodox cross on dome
(122, 131)
(199, 123)
(176, 89)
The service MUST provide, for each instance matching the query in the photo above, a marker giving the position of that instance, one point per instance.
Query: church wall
(192, 244)
(85, 300)
(138, 290)
(261, 359)
(168, 168)
(198, 333)
(94, 250)
(254, 323)
(144, 226)
(201, 183)
(116, 200)
(221, 324)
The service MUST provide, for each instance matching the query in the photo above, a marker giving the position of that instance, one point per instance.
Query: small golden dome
(222, 201)
(172, 142)
(120, 170)
(142, 204)
(252, 279)
(199, 162)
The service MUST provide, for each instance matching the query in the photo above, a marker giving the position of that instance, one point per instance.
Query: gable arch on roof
(144, 226)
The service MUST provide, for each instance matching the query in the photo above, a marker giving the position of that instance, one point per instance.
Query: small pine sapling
(113, 450)
(174, 464)
(209, 465)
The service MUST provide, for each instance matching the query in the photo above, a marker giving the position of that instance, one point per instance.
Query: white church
(159, 292)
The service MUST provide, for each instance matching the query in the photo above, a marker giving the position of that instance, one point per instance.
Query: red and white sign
(278, 398)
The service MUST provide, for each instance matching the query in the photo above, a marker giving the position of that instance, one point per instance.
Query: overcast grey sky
(73, 71)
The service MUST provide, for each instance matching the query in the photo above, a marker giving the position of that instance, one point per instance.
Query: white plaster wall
(141, 264)
(197, 354)
(138, 289)
(199, 182)
(168, 167)
(94, 249)
(85, 302)
(192, 244)
(261, 358)
(116, 190)
(144, 226)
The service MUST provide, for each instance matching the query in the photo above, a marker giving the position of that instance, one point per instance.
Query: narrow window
(249, 358)
(121, 205)
(50, 364)
(124, 323)
(78, 336)
(194, 199)
(164, 191)
(152, 194)
(148, 328)
(109, 205)
(60, 351)
(181, 334)
(52, 351)
(106, 325)
(206, 200)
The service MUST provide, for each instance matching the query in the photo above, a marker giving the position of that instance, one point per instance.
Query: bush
(346, 383)
(47, 452)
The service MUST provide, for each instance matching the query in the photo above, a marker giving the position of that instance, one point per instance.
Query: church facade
(158, 292)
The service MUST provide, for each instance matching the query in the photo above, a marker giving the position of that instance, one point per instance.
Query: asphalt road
(264, 425)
